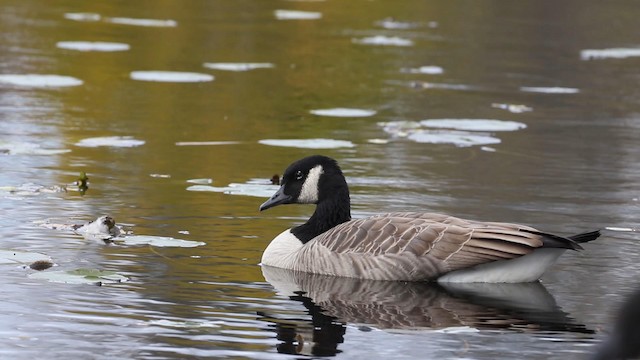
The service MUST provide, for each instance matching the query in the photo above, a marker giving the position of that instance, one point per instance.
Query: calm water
(574, 167)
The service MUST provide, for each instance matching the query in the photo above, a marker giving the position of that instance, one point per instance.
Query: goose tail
(585, 237)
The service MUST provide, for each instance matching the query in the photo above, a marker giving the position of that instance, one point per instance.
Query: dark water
(574, 167)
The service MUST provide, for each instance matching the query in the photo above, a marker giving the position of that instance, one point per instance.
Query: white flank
(526, 268)
(309, 192)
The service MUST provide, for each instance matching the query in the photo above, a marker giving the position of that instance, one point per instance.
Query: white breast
(282, 251)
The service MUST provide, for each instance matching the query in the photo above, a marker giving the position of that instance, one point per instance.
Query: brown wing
(448, 242)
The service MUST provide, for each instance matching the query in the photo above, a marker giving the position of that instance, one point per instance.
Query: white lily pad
(612, 53)
(82, 16)
(142, 22)
(383, 40)
(92, 46)
(39, 80)
(185, 324)
(457, 138)
(246, 189)
(296, 15)
(393, 24)
(474, 124)
(159, 241)
(113, 141)
(201, 181)
(170, 76)
(21, 257)
(238, 66)
(23, 148)
(308, 143)
(343, 112)
(550, 90)
(80, 276)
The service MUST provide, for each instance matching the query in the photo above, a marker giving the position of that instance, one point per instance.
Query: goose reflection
(335, 302)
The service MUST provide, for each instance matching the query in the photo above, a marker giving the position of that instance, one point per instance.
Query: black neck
(329, 212)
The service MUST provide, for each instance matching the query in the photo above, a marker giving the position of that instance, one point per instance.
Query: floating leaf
(113, 141)
(21, 257)
(308, 143)
(82, 16)
(142, 22)
(297, 15)
(237, 66)
(343, 112)
(159, 241)
(383, 41)
(613, 53)
(474, 124)
(247, 189)
(81, 276)
(92, 46)
(550, 90)
(37, 80)
(170, 76)
(457, 138)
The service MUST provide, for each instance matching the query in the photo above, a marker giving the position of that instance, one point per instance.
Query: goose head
(310, 180)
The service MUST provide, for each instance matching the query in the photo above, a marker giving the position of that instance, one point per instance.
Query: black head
(308, 181)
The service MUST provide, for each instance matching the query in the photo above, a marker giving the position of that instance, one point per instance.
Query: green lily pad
(160, 241)
(81, 276)
(21, 257)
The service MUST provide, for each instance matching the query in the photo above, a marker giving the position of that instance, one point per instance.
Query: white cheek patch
(309, 192)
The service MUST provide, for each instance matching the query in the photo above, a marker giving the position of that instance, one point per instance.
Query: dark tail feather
(585, 237)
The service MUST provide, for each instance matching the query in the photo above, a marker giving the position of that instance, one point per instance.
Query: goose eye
(299, 175)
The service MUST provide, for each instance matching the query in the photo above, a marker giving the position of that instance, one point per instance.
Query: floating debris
(142, 22)
(103, 228)
(81, 276)
(550, 90)
(238, 66)
(474, 124)
(517, 109)
(157, 241)
(383, 40)
(378, 141)
(112, 141)
(612, 53)
(296, 15)
(253, 187)
(40, 265)
(39, 81)
(32, 189)
(170, 76)
(457, 138)
(343, 112)
(160, 176)
(308, 143)
(92, 46)
(185, 324)
(393, 24)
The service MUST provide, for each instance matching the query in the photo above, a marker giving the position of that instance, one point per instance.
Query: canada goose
(405, 246)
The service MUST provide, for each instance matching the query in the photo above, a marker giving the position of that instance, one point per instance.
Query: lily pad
(247, 189)
(24, 148)
(550, 90)
(430, 70)
(82, 16)
(612, 53)
(383, 40)
(201, 181)
(514, 108)
(297, 15)
(185, 324)
(343, 112)
(142, 22)
(81, 276)
(206, 143)
(473, 124)
(457, 138)
(237, 66)
(113, 141)
(92, 46)
(308, 143)
(159, 241)
(21, 257)
(38, 80)
(170, 76)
